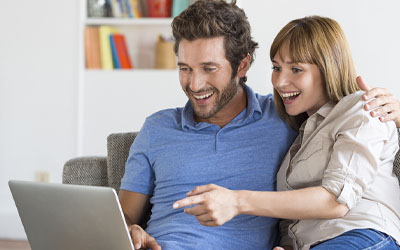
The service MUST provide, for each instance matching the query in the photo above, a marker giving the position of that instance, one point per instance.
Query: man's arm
(381, 103)
(134, 206)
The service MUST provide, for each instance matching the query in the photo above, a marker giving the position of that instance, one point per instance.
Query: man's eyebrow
(210, 64)
(182, 64)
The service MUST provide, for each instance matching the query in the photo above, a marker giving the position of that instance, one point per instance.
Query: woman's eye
(296, 70)
(276, 68)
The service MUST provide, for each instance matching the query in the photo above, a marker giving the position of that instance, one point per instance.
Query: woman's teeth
(286, 95)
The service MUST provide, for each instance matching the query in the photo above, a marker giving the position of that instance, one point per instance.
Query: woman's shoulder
(349, 111)
(352, 100)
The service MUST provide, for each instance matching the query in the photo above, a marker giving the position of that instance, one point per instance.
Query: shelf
(128, 21)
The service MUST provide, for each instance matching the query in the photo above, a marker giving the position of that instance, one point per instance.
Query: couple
(336, 186)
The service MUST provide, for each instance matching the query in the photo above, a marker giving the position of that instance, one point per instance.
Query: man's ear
(244, 66)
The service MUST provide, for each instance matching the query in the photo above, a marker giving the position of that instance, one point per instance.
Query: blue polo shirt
(172, 154)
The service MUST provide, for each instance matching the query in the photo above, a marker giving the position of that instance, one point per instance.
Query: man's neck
(233, 108)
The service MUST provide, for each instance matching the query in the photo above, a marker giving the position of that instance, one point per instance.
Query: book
(114, 53)
(159, 8)
(178, 6)
(115, 8)
(143, 8)
(122, 51)
(136, 8)
(129, 8)
(92, 48)
(105, 46)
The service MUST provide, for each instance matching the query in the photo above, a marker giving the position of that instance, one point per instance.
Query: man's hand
(215, 205)
(385, 105)
(141, 239)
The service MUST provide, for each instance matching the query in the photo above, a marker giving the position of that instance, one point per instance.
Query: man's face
(205, 76)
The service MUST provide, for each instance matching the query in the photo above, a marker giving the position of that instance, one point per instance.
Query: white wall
(38, 74)
(38, 52)
(371, 27)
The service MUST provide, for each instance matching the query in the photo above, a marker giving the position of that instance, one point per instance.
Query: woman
(335, 186)
(341, 153)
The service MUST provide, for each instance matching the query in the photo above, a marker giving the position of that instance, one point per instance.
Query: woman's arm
(306, 203)
(216, 205)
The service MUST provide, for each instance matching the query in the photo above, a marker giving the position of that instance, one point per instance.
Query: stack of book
(134, 8)
(106, 48)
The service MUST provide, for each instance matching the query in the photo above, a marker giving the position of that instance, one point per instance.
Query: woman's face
(299, 84)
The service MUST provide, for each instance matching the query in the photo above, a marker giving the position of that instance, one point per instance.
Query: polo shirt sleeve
(357, 154)
(139, 174)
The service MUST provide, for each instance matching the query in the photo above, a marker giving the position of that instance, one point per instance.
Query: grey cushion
(91, 171)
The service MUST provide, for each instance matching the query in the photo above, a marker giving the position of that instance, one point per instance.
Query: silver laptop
(70, 217)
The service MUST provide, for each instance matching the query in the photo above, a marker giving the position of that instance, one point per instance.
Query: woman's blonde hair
(320, 41)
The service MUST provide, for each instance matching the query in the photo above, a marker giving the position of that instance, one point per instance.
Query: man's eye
(276, 68)
(297, 70)
(209, 69)
(183, 69)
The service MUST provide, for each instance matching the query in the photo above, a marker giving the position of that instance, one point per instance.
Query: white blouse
(349, 153)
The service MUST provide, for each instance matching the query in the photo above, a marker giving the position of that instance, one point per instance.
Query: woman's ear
(244, 66)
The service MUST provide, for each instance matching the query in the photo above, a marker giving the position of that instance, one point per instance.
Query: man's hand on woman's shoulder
(382, 103)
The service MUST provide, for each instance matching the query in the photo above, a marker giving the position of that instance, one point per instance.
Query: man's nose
(197, 82)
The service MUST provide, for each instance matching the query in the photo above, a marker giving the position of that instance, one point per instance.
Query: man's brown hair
(215, 18)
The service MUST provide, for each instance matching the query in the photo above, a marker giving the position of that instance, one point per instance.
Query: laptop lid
(70, 217)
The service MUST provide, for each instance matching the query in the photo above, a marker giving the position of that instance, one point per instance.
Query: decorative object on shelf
(96, 8)
(178, 6)
(165, 56)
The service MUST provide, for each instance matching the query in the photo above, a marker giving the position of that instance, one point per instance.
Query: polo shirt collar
(253, 112)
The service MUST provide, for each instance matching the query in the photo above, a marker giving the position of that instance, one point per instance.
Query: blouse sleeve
(357, 154)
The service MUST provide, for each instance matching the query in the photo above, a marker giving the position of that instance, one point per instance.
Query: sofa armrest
(118, 146)
(91, 171)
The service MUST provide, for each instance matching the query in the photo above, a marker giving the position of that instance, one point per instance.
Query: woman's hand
(213, 205)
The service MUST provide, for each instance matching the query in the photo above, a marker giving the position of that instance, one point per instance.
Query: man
(226, 134)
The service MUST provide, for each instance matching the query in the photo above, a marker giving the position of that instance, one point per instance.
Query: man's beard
(224, 97)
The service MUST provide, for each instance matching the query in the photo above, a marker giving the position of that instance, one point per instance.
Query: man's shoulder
(266, 104)
(165, 118)
(265, 100)
(264, 97)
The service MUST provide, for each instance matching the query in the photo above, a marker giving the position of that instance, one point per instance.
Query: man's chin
(204, 115)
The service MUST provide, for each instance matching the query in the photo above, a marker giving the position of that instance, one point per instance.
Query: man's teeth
(199, 97)
(290, 94)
